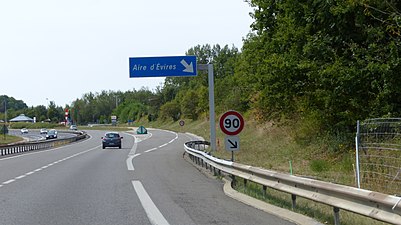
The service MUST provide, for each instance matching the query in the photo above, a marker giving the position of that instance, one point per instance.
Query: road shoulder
(261, 205)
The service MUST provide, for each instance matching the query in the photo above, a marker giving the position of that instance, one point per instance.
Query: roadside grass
(276, 147)
(8, 139)
(318, 211)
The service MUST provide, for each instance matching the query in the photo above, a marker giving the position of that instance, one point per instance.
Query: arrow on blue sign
(166, 66)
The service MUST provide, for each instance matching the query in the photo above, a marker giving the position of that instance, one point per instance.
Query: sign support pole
(211, 108)
(212, 114)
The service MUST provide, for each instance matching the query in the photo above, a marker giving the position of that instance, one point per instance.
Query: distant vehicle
(24, 131)
(51, 134)
(43, 131)
(73, 127)
(111, 139)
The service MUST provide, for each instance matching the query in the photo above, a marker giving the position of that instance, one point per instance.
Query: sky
(53, 50)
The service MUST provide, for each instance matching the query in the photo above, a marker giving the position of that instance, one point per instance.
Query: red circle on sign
(231, 123)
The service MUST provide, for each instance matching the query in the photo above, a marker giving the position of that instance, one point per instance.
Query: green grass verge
(318, 211)
(8, 139)
(21, 125)
(276, 147)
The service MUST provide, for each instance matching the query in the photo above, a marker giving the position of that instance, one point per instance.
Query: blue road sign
(166, 66)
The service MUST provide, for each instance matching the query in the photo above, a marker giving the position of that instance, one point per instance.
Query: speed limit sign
(231, 123)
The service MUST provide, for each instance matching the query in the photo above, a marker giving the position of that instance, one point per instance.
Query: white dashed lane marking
(132, 154)
(153, 213)
(8, 182)
(45, 167)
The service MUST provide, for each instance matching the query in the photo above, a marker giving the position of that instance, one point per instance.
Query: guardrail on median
(379, 206)
(36, 145)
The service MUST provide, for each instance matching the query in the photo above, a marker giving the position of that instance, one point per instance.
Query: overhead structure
(22, 118)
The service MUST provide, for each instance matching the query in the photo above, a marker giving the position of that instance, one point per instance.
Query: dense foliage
(11, 103)
(15, 107)
(336, 61)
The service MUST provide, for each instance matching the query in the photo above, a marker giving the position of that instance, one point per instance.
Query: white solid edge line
(131, 155)
(153, 213)
(130, 165)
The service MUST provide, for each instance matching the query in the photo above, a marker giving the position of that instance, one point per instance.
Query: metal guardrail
(379, 206)
(36, 145)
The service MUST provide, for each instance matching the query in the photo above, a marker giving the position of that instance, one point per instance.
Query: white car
(24, 131)
(43, 131)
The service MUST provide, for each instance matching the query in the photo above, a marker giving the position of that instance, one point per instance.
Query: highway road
(34, 135)
(145, 182)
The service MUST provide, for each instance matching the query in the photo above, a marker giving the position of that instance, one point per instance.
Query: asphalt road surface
(35, 135)
(145, 182)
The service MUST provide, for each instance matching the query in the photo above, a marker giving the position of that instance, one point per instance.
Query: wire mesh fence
(379, 155)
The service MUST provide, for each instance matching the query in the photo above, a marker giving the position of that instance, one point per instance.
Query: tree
(338, 59)
(11, 103)
(170, 110)
(190, 105)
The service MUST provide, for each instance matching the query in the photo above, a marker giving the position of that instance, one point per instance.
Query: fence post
(358, 179)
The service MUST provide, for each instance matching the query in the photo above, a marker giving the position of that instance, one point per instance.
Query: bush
(20, 125)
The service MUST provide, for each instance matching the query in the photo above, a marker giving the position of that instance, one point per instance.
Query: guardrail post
(336, 215)
(245, 183)
(264, 191)
(293, 201)
(233, 183)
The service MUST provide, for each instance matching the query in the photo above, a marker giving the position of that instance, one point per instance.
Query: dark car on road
(111, 139)
(51, 134)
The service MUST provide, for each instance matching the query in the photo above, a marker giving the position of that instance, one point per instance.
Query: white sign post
(231, 143)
